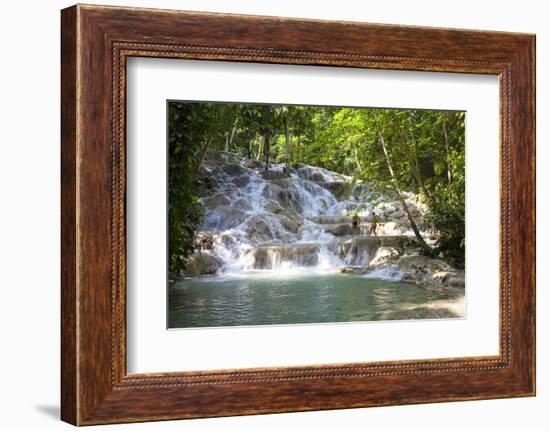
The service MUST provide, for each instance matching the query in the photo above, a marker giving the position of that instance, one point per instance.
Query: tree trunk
(447, 152)
(288, 149)
(357, 162)
(232, 134)
(226, 143)
(249, 148)
(260, 147)
(416, 165)
(414, 227)
(203, 153)
(267, 149)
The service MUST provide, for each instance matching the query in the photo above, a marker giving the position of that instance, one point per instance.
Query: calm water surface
(268, 299)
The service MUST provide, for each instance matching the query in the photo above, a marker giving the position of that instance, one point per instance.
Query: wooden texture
(96, 41)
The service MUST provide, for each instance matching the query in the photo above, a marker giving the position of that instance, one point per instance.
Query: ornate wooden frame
(95, 43)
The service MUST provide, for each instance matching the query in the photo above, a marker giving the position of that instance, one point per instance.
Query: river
(303, 297)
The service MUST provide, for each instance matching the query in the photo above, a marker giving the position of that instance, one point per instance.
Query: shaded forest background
(394, 150)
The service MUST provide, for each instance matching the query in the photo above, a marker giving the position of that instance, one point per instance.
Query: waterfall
(267, 221)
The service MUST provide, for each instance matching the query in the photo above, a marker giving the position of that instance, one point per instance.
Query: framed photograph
(265, 215)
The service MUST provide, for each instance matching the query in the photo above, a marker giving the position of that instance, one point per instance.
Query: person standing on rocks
(373, 224)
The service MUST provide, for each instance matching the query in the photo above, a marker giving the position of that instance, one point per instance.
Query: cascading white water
(267, 221)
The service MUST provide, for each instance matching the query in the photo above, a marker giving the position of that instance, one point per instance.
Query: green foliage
(185, 125)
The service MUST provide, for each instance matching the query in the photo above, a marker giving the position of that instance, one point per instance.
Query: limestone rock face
(204, 263)
(273, 207)
(270, 257)
(290, 223)
(426, 270)
(273, 175)
(233, 169)
(260, 219)
(353, 270)
(242, 204)
(287, 198)
(384, 255)
(254, 164)
(225, 217)
(452, 278)
(357, 251)
(241, 181)
(422, 265)
(342, 229)
(391, 228)
(216, 201)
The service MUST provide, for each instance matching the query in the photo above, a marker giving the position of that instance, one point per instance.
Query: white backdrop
(29, 218)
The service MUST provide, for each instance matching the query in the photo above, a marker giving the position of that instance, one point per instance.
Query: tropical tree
(185, 128)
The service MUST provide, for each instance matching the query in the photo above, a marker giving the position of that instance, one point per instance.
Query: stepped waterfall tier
(266, 220)
(270, 235)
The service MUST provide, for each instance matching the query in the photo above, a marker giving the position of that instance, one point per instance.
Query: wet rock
(273, 207)
(272, 256)
(338, 188)
(291, 224)
(305, 171)
(331, 219)
(202, 264)
(273, 175)
(288, 199)
(317, 177)
(384, 255)
(258, 229)
(456, 280)
(343, 229)
(241, 181)
(422, 264)
(345, 207)
(284, 183)
(204, 241)
(266, 227)
(224, 217)
(356, 251)
(391, 228)
(353, 270)
(254, 164)
(428, 271)
(214, 157)
(397, 214)
(393, 210)
(449, 278)
(216, 201)
(317, 174)
(398, 242)
(233, 169)
(242, 204)
(206, 184)
(224, 240)
(229, 156)
(360, 190)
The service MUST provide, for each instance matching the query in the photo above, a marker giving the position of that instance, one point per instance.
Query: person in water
(373, 224)
(355, 220)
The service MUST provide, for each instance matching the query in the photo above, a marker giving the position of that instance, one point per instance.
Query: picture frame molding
(96, 41)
